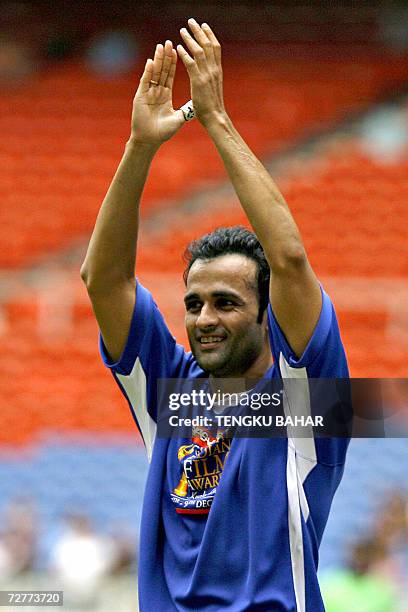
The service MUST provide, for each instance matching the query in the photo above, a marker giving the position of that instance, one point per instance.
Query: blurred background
(320, 93)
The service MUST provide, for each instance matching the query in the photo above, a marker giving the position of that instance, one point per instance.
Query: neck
(236, 383)
(261, 364)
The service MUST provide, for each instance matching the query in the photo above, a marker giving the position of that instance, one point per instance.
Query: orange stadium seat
(63, 134)
(57, 380)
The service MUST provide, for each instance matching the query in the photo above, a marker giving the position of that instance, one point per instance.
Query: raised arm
(109, 267)
(294, 290)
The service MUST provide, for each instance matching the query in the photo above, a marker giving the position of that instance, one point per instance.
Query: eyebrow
(215, 294)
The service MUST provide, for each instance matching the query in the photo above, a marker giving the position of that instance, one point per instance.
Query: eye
(193, 306)
(225, 304)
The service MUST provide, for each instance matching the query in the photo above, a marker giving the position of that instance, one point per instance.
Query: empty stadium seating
(63, 135)
(105, 479)
(49, 359)
(360, 495)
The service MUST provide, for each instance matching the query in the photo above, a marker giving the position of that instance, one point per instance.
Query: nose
(207, 318)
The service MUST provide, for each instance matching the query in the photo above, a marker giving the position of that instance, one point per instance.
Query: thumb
(184, 114)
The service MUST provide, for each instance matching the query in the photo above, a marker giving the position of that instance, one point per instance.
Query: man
(248, 540)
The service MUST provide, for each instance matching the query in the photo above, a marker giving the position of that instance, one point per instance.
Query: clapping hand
(154, 119)
(203, 64)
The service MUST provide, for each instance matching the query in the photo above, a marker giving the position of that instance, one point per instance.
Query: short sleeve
(149, 340)
(151, 353)
(324, 355)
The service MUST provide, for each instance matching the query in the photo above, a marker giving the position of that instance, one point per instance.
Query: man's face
(222, 308)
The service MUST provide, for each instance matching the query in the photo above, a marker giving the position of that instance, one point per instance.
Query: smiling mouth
(210, 342)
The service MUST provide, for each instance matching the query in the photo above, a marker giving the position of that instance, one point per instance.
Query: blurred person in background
(112, 53)
(80, 561)
(125, 544)
(359, 586)
(21, 37)
(391, 532)
(18, 538)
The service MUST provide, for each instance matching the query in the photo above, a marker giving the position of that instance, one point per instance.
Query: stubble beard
(231, 363)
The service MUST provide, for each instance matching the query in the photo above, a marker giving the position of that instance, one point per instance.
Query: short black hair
(231, 240)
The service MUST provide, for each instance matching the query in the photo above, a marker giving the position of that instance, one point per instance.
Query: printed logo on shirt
(202, 464)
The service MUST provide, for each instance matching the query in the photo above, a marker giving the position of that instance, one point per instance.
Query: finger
(157, 62)
(172, 70)
(187, 60)
(214, 41)
(194, 47)
(146, 76)
(168, 48)
(202, 39)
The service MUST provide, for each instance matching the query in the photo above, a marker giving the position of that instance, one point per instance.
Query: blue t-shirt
(247, 540)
